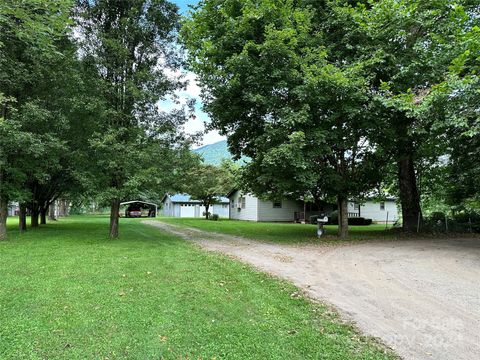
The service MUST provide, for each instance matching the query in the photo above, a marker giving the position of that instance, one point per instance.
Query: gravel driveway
(420, 297)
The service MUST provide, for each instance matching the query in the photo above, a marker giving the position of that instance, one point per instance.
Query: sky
(192, 91)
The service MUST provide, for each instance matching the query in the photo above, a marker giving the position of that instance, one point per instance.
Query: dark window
(277, 204)
(382, 205)
(243, 202)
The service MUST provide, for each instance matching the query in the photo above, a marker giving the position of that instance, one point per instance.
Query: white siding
(168, 207)
(266, 211)
(187, 211)
(251, 207)
(192, 210)
(221, 210)
(371, 210)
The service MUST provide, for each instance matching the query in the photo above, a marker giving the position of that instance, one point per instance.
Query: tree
(132, 44)
(410, 46)
(207, 184)
(305, 121)
(28, 34)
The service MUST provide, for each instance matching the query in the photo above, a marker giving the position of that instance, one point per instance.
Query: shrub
(205, 214)
(333, 218)
(467, 217)
(313, 219)
(214, 217)
(358, 221)
(437, 216)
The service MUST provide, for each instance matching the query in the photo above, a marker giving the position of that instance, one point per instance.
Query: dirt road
(422, 298)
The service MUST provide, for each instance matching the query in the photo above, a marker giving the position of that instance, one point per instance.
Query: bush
(359, 221)
(333, 218)
(214, 217)
(313, 219)
(467, 217)
(205, 214)
(437, 216)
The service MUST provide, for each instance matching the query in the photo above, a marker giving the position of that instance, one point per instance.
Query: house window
(356, 206)
(382, 205)
(243, 202)
(277, 204)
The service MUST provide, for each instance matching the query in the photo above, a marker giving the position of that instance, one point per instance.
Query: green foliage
(304, 125)
(132, 46)
(207, 183)
(213, 154)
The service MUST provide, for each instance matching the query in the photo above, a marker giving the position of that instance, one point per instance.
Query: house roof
(185, 198)
(231, 192)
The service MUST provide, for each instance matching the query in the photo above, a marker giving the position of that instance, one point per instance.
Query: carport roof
(137, 201)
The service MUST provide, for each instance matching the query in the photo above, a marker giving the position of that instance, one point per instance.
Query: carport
(138, 208)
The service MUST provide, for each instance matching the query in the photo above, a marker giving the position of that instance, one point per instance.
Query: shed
(182, 205)
(139, 208)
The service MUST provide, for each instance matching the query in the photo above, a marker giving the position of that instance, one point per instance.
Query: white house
(12, 209)
(182, 205)
(248, 207)
(379, 211)
(244, 206)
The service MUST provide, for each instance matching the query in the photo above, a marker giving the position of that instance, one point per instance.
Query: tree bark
(62, 208)
(409, 197)
(3, 217)
(34, 217)
(51, 212)
(207, 206)
(22, 218)
(342, 217)
(114, 217)
(43, 216)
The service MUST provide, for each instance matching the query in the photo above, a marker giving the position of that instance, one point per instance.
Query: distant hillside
(213, 154)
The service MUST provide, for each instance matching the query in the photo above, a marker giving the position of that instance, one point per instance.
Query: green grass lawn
(280, 232)
(68, 292)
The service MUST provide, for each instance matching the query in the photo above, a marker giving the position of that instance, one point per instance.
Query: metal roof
(185, 198)
(137, 201)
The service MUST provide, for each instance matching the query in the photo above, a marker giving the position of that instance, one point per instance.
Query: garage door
(187, 211)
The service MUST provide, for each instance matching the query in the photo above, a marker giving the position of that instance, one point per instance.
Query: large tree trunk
(43, 215)
(409, 197)
(3, 217)
(407, 181)
(62, 208)
(342, 217)
(207, 206)
(51, 212)
(34, 217)
(114, 217)
(22, 218)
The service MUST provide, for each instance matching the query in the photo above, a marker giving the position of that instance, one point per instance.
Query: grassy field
(68, 292)
(279, 232)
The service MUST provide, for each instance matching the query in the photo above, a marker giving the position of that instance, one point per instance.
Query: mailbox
(321, 221)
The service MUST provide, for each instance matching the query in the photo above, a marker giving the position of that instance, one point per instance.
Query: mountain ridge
(213, 154)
